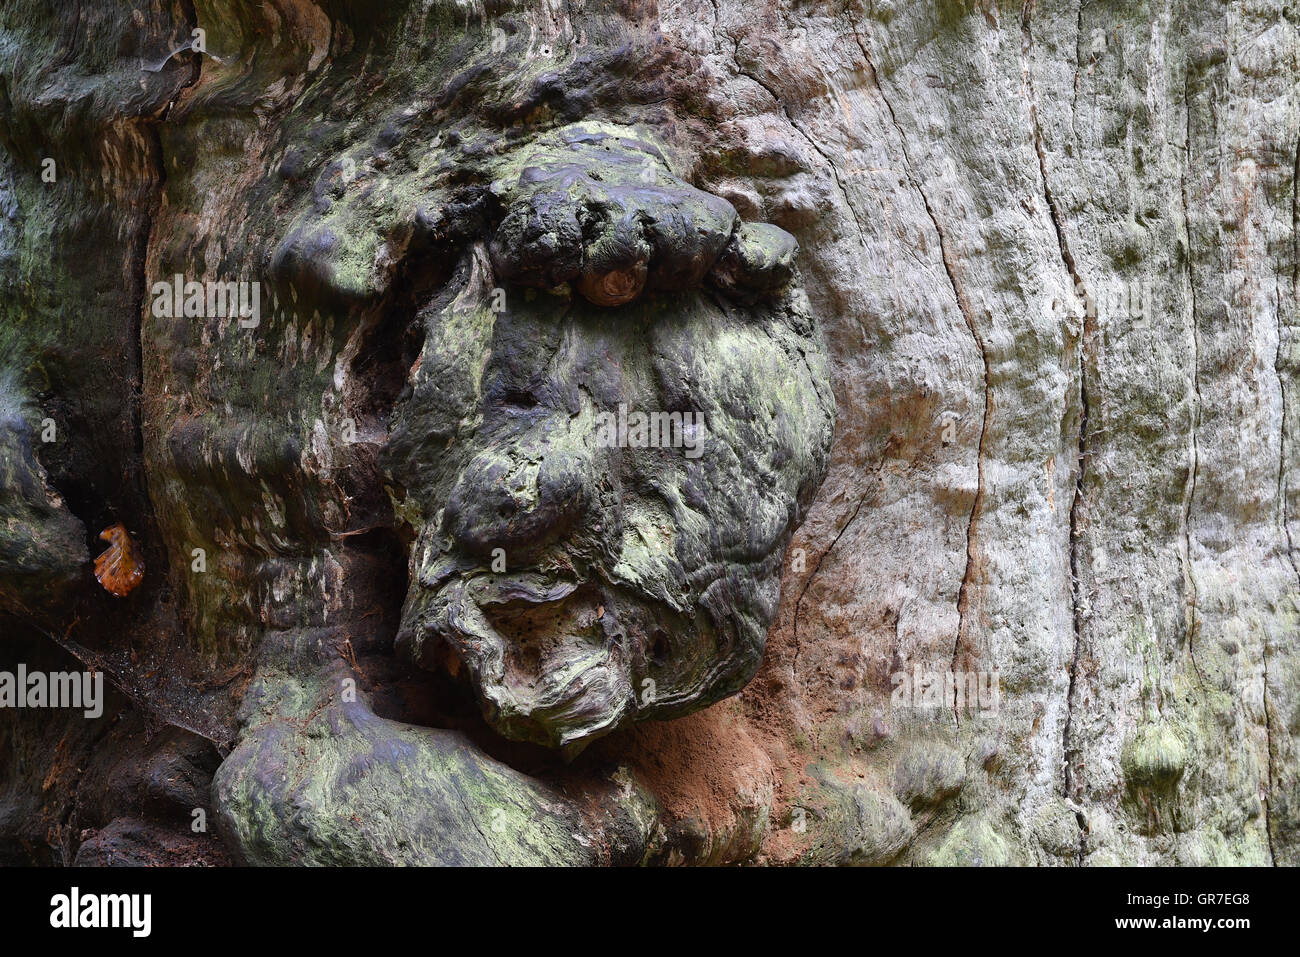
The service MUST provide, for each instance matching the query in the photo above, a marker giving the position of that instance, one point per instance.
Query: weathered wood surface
(1047, 265)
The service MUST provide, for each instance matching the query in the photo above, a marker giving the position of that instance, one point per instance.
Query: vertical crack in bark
(1268, 743)
(717, 26)
(963, 304)
(1078, 68)
(1072, 789)
(1281, 491)
(798, 602)
(1192, 607)
(1284, 517)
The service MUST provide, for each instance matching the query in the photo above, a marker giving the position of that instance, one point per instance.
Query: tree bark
(1041, 610)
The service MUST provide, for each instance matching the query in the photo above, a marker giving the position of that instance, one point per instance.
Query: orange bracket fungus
(119, 568)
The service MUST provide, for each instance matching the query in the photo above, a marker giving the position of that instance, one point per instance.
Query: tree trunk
(1037, 596)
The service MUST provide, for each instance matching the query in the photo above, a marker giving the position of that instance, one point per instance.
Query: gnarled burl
(629, 582)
